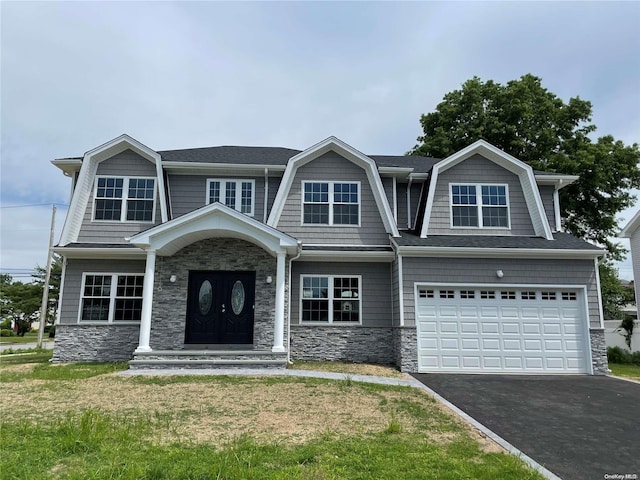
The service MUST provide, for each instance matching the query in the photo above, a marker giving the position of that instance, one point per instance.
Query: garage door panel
(531, 328)
(469, 327)
(490, 327)
(494, 330)
(511, 328)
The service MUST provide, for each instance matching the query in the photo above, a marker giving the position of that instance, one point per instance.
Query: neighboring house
(632, 232)
(251, 256)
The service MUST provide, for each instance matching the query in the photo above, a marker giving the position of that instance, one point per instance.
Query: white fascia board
(88, 170)
(515, 166)
(398, 172)
(342, 256)
(199, 224)
(98, 252)
(631, 227)
(557, 180)
(351, 154)
(68, 165)
(472, 252)
(203, 168)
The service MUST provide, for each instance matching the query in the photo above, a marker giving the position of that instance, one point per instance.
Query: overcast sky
(177, 75)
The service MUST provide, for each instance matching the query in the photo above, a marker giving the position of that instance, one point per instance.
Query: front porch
(214, 292)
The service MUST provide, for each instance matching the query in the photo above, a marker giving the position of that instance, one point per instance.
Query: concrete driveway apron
(577, 426)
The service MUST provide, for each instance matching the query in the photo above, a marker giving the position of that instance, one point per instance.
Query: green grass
(28, 338)
(97, 445)
(32, 355)
(122, 444)
(625, 370)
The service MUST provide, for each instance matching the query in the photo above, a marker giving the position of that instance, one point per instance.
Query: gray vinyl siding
(189, 192)
(401, 192)
(482, 270)
(395, 297)
(125, 164)
(478, 169)
(387, 184)
(333, 167)
(274, 185)
(546, 194)
(73, 281)
(375, 288)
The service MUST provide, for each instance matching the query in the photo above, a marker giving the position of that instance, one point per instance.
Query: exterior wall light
(499, 273)
(269, 279)
(172, 279)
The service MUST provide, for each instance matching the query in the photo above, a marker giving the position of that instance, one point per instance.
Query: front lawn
(625, 370)
(83, 422)
(28, 338)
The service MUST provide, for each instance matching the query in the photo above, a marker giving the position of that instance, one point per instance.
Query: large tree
(20, 302)
(534, 125)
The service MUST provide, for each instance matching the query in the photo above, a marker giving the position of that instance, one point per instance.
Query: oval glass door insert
(237, 297)
(205, 297)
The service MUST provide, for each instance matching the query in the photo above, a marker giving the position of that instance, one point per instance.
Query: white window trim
(479, 205)
(125, 199)
(331, 183)
(223, 190)
(112, 298)
(330, 299)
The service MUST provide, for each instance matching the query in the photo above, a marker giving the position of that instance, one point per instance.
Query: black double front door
(220, 307)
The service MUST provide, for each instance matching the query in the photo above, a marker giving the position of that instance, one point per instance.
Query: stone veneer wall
(95, 343)
(353, 344)
(598, 352)
(170, 299)
(405, 342)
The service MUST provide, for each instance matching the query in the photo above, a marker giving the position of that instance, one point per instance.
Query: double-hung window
(111, 298)
(236, 194)
(481, 206)
(331, 203)
(330, 299)
(124, 199)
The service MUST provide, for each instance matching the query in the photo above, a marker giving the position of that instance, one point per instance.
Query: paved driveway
(578, 427)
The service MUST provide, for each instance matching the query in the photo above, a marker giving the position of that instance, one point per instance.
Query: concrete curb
(408, 381)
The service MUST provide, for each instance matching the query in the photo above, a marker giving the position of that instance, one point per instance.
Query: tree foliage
(614, 295)
(534, 125)
(19, 302)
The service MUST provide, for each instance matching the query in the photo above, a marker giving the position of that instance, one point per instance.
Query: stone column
(278, 328)
(147, 303)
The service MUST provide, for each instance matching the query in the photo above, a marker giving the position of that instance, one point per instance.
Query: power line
(36, 205)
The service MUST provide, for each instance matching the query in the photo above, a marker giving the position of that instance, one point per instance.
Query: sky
(193, 74)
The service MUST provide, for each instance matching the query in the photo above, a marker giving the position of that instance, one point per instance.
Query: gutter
(475, 252)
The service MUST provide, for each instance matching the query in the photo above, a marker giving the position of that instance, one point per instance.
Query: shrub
(6, 332)
(635, 358)
(618, 355)
(52, 331)
(5, 324)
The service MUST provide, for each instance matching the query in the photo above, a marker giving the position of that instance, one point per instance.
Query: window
(487, 294)
(330, 299)
(447, 294)
(426, 293)
(331, 203)
(548, 295)
(124, 199)
(236, 194)
(111, 298)
(482, 206)
(528, 295)
(569, 296)
(508, 295)
(467, 294)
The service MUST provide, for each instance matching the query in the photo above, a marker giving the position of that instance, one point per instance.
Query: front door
(220, 307)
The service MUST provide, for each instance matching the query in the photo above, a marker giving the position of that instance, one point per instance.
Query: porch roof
(211, 221)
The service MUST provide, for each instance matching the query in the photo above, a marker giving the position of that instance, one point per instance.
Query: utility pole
(44, 306)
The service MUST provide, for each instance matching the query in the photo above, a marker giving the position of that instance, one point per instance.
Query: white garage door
(490, 330)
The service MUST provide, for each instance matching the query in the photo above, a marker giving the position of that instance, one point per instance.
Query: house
(253, 256)
(632, 232)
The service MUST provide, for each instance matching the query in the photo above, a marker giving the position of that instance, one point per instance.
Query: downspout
(266, 194)
(289, 302)
(409, 202)
(556, 207)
